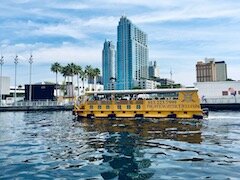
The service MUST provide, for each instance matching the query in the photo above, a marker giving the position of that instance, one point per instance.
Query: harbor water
(51, 145)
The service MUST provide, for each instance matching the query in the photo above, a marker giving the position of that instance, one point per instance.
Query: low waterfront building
(5, 85)
(9, 98)
(4, 88)
(99, 87)
(146, 84)
(219, 92)
(40, 91)
(165, 81)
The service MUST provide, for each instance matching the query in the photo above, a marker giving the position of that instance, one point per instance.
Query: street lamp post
(30, 77)
(1, 63)
(15, 90)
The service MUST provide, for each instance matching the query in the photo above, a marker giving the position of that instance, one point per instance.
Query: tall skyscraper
(132, 54)
(108, 65)
(210, 70)
(153, 70)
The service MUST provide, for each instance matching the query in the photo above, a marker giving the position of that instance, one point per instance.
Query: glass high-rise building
(132, 54)
(108, 65)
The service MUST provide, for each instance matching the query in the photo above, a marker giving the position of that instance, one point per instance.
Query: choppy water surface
(53, 145)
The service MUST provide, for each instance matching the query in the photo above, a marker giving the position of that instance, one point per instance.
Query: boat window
(138, 106)
(128, 106)
(165, 95)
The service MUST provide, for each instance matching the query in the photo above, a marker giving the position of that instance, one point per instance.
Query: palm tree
(83, 76)
(96, 73)
(72, 68)
(89, 72)
(78, 70)
(56, 68)
(66, 73)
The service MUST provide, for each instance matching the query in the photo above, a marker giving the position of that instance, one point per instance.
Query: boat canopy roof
(141, 91)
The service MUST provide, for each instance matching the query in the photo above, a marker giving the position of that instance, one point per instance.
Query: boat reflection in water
(124, 141)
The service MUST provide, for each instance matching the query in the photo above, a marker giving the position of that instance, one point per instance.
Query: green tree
(72, 70)
(78, 70)
(56, 68)
(96, 74)
(83, 76)
(89, 72)
(66, 74)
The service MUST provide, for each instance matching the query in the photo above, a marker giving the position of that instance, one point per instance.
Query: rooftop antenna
(124, 14)
(171, 73)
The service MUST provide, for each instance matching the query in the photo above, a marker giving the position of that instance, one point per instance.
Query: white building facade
(4, 85)
(146, 84)
(219, 92)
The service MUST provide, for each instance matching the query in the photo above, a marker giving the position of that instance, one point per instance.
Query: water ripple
(51, 145)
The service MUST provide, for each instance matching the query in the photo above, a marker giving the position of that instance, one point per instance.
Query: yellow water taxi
(181, 103)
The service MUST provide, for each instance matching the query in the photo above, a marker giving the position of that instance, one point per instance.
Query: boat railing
(103, 102)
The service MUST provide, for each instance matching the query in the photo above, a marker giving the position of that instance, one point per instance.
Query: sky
(180, 33)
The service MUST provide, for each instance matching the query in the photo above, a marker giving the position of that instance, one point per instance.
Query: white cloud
(186, 13)
(62, 30)
(44, 53)
(70, 5)
(67, 54)
(92, 21)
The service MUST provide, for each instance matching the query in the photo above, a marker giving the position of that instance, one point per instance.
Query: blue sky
(180, 32)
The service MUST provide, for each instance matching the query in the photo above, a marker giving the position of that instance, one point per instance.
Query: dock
(221, 106)
(37, 106)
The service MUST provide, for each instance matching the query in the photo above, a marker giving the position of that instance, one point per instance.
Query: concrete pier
(37, 108)
(222, 106)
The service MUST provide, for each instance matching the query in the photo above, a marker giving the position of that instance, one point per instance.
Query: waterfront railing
(39, 103)
(222, 100)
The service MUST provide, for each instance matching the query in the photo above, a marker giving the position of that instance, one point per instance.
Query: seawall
(222, 106)
(36, 108)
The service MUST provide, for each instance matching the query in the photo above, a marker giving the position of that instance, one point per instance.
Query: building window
(119, 107)
(238, 92)
(128, 106)
(225, 93)
(107, 107)
(99, 107)
(91, 107)
(138, 106)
